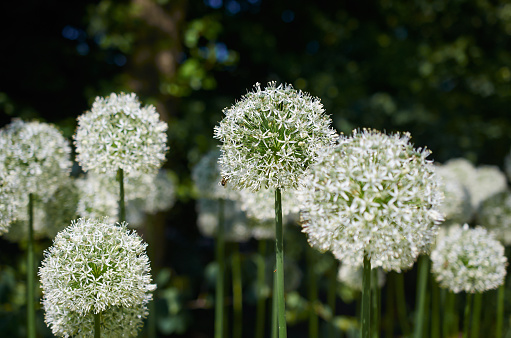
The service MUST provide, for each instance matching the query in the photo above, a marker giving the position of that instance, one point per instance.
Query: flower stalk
(97, 325)
(261, 299)
(279, 256)
(468, 310)
(219, 294)
(422, 286)
(30, 270)
(365, 330)
(237, 292)
(122, 206)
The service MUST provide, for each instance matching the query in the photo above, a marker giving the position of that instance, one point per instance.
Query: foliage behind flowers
(93, 267)
(37, 154)
(271, 136)
(372, 194)
(468, 259)
(117, 133)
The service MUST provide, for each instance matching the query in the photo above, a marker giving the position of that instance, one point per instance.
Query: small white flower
(117, 133)
(271, 136)
(94, 267)
(495, 214)
(469, 260)
(352, 276)
(36, 154)
(372, 194)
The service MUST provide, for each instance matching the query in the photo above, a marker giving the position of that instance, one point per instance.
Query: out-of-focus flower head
(495, 214)
(468, 259)
(208, 180)
(457, 206)
(352, 276)
(271, 136)
(372, 194)
(9, 203)
(118, 133)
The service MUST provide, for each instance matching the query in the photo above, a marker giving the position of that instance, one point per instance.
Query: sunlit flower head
(208, 179)
(78, 281)
(271, 136)
(235, 221)
(374, 194)
(117, 133)
(352, 276)
(37, 154)
(457, 206)
(494, 213)
(468, 259)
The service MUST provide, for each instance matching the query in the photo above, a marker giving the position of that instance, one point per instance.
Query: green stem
(97, 325)
(435, 309)
(375, 304)
(312, 292)
(331, 297)
(279, 255)
(500, 311)
(274, 316)
(422, 285)
(365, 330)
(237, 292)
(150, 231)
(389, 321)
(401, 303)
(122, 206)
(30, 270)
(219, 296)
(261, 299)
(466, 319)
(476, 315)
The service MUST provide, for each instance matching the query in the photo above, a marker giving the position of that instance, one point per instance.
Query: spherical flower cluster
(372, 194)
(18, 230)
(117, 133)
(495, 214)
(352, 276)
(94, 267)
(469, 260)
(208, 180)
(271, 136)
(37, 154)
(9, 203)
(260, 205)
(161, 196)
(235, 220)
(456, 207)
(481, 182)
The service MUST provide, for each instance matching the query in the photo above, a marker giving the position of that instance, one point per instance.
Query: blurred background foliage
(439, 69)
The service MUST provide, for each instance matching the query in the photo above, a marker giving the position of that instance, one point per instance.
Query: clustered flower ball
(372, 194)
(469, 259)
(37, 154)
(352, 276)
(9, 204)
(495, 214)
(117, 133)
(457, 206)
(271, 136)
(95, 267)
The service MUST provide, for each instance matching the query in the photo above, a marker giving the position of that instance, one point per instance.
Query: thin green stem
(422, 285)
(279, 255)
(122, 206)
(375, 304)
(450, 322)
(312, 292)
(274, 308)
(150, 231)
(476, 315)
(261, 298)
(365, 330)
(331, 297)
(466, 319)
(97, 325)
(435, 309)
(237, 292)
(401, 304)
(500, 311)
(389, 320)
(30, 270)
(219, 295)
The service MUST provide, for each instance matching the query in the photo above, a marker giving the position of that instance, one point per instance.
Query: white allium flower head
(352, 276)
(374, 194)
(271, 136)
(9, 203)
(117, 133)
(208, 180)
(161, 196)
(260, 205)
(469, 259)
(37, 154)
(94, 267)
(457, 206)
(235, 221)
(495, 214)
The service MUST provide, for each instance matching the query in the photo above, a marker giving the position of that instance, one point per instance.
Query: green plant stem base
(279, 255)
